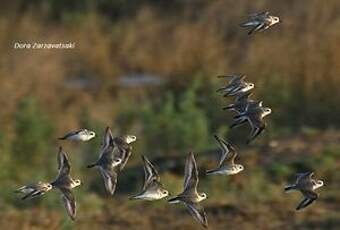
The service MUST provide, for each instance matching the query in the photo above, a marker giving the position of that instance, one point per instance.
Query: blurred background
(149, 68)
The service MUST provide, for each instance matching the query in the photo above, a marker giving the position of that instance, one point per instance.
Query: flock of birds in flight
(115, 152)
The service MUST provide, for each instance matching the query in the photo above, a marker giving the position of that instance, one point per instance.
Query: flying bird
(108, 162)
(260, 22)
(254, 115)
(79, 135)
(240, 102)
(34, 190)
(152, 188)
(190, 197)
(306, 185)
(124, 148)
(226, 165)
(65, 183)
(236, 85)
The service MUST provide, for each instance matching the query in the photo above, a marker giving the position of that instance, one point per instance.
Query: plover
(79, 135)
(306, 185)
(240, 103)
(226, 165)
(190, 197)
(109, 162)
(124, 148)
(33, 190)
(65, 183)
(260, 22)
(237, 84)
(152, 188)
(254, 114)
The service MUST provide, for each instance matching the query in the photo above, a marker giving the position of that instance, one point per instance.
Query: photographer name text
(40, 45)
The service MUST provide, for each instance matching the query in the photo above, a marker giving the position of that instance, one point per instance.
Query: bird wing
(110, 179)
(150, 172)
(257, 125)
(191, 174)
(124, 152)
(64, 166)
(304, 177)
(259, 15)
(309, 198)
(69, 202)
(197, 212)
(258, 27)
(227, 149)
(243, 96)
(107, 139)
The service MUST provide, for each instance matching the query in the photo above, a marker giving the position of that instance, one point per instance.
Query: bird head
(130, 138)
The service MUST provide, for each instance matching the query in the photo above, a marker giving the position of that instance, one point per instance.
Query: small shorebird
(226, 165)
(79, 135)
(260, 22)
(65, 183)
(190, 197)
(152, 188)
(306, 185)
(240, 103)
(235, 86)
(124, 148)
(33, 190)
(108, 162)
(254, 114)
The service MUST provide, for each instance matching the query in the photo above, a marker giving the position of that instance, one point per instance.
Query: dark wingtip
(90, 166)
(208, 172)
(132, 198)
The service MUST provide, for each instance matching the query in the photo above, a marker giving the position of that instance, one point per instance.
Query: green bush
(33, 134)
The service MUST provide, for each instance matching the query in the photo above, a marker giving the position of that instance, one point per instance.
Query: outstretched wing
(124, 153)
(64, 166)
(110, 179)
(191, 174)
(257, 125)
(309, 198)
(198, 213)
(107, 139)
(69, 202)
(226, 148)
(150, 172)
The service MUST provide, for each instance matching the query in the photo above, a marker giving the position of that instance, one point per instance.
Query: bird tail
(32, 195)
(61, 138)
(135, 197)
(289, 188)
(19, 190)
(92, 165)
(174, 200)
(229, 107)
(247, 24)
(210, 172)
